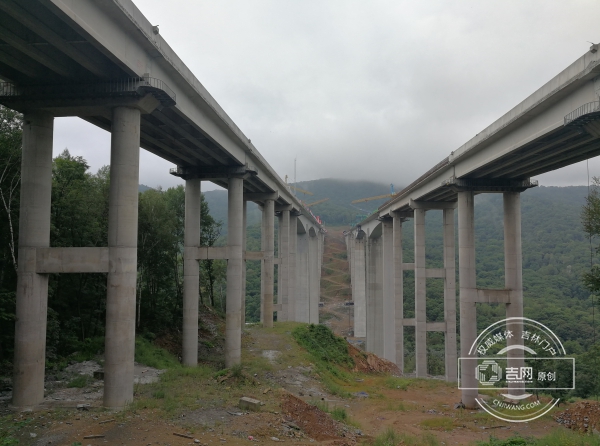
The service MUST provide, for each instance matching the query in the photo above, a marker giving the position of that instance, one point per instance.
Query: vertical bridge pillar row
(191, 272)
(32, 288)
(122, 243)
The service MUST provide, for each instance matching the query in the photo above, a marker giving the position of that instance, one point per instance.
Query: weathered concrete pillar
(314, 276)
(468, 294)
(32, 288)
(375, 298)
(244, 265)
(420, 295)
(389, 291)
(450, 295)
(359, 286)
(262, 265)
(268, 263)
(292, 264)
(303, 281)
(122, 243)
(191, 272)
(398, 290)
(513, 280)
(235, 236)
(283, 270)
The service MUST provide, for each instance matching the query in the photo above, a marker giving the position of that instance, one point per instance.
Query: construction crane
(297, 189)
(316, 202)
(378, 197)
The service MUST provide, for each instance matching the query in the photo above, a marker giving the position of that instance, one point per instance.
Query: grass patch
(80, 381)
(339, 414)
(392, 382)
(392, 438)
(558, 437)
(148, 354)
(400, 406)
(438, 423)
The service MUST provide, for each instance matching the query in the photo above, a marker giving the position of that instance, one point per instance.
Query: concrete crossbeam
(72, 260)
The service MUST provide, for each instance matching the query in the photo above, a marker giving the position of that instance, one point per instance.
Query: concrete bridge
(556, 126)
(104, 62)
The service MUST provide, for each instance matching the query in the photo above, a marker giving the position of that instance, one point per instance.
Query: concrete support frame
(292, 265)
(268, 270)
(191, 272)
(122, 243)
(398, 290)
(233, 330)
(359, 286)
(451, 369)
(420, 295)
(32, 288)
(244, 265)
(513, 277)
(389, 291)
(283, 270)
(314, 276)
(375, 297)
(468, 293)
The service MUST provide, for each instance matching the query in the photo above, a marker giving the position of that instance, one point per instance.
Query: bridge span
(103, 61)
(556, 126)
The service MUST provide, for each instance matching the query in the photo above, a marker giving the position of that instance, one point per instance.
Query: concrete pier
(314, 276)
(398, 290)
(122, 243)
(302, 304)
(375, 297)
(283, 270)
(292, 264)
(191, 272)
(268, 262)
(244, 265)
(513, 279)
(389, 291)
(468, 292)
(451, 369)
(32, 288)
(359, 286)
(420, 295)
(233, 330)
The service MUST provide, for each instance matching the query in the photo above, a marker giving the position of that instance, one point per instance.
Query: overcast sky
(377, 90)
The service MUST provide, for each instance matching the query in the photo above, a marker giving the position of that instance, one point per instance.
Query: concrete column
(262, 265)
(314, 276)
(375, 298)
(235, 236)
(389, 292)
(191, 272)
(420, 295)
(359, 288)
(283, 271)
(32, 288)
(399, 291)
(292, 264)
(244, 265)
(450, 295)
(302, 304)
(468, 293)
(122, 243)
(513, 279)
(269, 267)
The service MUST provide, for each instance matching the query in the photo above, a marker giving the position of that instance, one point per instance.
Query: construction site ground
(187, 406)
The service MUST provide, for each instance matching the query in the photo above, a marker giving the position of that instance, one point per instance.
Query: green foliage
(80, 381)
(323, 344)
(392, 438)
(148, 354)
(339, 414)
(558, 437)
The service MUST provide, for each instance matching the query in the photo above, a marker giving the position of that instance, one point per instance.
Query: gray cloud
(376, 90)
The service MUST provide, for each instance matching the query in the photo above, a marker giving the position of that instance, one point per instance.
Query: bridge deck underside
(559, 148)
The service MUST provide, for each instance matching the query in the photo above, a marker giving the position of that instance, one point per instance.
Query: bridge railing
(585, 109)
